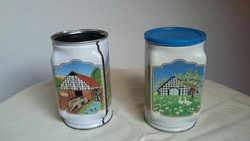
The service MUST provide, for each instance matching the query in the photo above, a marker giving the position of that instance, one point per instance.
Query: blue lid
(174, 36)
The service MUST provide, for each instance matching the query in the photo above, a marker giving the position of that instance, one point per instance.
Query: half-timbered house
(76, 85)
(174, 86)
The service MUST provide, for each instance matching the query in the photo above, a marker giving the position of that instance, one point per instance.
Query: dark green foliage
(97, 76)
(58, 81)
(191, 79)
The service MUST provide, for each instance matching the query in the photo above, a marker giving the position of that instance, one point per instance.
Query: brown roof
(90, 81)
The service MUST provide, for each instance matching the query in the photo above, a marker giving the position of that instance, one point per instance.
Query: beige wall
(26, 27)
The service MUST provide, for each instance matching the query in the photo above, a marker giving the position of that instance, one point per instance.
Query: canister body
(173, 83)
(80, 64)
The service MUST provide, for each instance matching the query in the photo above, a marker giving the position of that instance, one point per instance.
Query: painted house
(174, 86)
(76, 85)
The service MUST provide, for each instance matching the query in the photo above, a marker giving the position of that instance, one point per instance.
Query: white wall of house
(26, 27)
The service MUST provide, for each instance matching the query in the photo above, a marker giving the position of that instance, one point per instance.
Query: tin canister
(174, 71)
(80, 63)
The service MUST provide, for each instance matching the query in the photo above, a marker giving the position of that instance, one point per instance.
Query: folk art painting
(177, 88)
(80, 87)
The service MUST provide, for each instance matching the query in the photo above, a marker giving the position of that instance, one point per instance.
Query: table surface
(31, 115)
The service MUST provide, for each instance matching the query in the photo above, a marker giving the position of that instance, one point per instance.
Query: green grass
(109, 92)
(169, 106)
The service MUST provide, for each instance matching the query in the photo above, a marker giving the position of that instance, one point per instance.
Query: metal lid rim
(69, 32)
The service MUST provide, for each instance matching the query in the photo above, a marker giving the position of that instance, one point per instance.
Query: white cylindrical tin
(174, 71)
(80, 64)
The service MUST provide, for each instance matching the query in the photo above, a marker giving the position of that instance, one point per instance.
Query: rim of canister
(79, 36)
(174, 36)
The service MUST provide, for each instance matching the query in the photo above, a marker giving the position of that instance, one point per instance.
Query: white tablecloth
(31, 115)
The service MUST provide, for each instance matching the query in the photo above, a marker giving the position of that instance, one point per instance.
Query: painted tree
(160, 82)
(191, 79)
(108, 83)
(58, 81)
(96, 74)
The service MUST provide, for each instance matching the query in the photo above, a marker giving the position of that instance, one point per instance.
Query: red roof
(90, 81)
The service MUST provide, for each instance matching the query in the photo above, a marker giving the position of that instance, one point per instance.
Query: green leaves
(160, 82)
(191, 79)
(96, 74)
(58, 81)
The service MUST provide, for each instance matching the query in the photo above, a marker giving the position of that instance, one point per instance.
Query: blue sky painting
(75, 65)
(168, 70)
